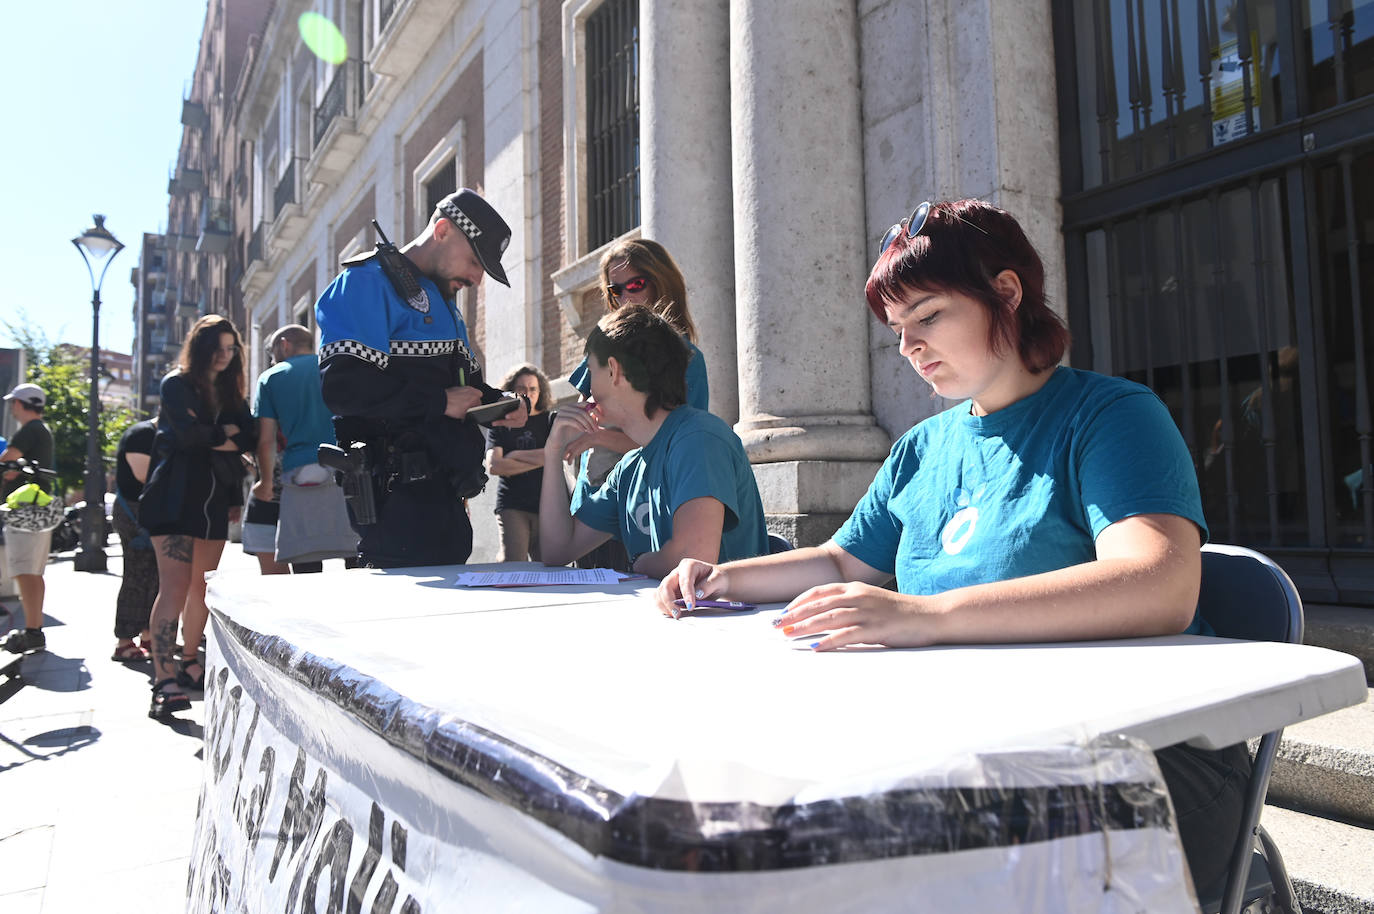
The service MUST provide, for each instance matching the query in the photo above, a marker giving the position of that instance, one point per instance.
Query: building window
(612, 105)
(438, 175)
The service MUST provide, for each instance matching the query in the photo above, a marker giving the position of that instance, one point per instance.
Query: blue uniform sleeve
(873, 533)
(355, 351)
(1130, 459)
(698, 387)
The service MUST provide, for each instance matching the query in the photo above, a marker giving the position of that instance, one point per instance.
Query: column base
(805, 501)
(852, 437)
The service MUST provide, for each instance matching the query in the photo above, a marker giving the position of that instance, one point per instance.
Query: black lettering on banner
(255, 809)
(299, 819)
(226, 739)
(371, 857)
(243, 758)
(386, 895)
(334, 853)
(308, 826)
(398, 845)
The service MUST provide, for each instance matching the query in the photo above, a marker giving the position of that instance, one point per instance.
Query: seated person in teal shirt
(1051, 505)
(687, 490)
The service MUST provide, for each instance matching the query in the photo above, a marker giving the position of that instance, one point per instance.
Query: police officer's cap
(485, 228)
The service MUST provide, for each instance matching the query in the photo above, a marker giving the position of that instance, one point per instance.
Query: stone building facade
(770, 149)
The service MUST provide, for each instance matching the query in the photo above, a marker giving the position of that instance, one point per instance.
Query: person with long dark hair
(1050, 504)
(194, 489)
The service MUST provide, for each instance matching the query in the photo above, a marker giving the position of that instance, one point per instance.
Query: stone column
(684, 135)
(797, 152)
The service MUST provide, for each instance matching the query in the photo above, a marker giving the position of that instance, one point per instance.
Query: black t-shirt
(34, 443)
(521, 492)
(137, 439)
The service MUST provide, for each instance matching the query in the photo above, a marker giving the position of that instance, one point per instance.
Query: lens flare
(323, 38)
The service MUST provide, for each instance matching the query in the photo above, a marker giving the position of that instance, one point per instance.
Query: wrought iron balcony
(338, 101)
(193, 114)
(214, 226)
(254, 247)
(287, 190)
(190, 180)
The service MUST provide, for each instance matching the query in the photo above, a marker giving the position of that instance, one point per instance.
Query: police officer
(399, 376)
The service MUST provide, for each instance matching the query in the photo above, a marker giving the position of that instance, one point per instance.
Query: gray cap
(485, 228)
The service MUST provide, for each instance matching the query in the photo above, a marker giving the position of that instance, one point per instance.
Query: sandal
(165, 702)
(185, 679)
(129, 653)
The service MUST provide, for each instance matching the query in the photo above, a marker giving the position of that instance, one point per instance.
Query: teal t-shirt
(965, 499)
(694, 454)
(289, 392)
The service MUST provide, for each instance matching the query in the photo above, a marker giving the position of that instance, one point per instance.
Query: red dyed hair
(961, 248)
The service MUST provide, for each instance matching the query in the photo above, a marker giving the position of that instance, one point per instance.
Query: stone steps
(1329, 861)
(1342, 628)
(1321, 810)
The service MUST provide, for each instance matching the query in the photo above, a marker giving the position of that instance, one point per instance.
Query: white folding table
(390, 736)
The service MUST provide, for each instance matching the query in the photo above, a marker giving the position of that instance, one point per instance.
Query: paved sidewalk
(98, 801)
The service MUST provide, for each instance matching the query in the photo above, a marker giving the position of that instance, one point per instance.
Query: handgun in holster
(352, 468)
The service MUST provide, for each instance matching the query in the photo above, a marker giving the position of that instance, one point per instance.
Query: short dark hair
(961, 248)
(650, 351)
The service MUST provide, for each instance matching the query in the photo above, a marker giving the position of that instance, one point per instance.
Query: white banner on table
(327, 791)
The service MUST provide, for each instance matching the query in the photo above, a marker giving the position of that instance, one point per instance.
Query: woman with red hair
(1050, 504)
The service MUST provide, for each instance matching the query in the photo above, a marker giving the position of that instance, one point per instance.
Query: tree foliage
(65, 380)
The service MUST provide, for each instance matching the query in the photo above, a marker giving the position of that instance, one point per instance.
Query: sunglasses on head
(913, 225)
(633, 286)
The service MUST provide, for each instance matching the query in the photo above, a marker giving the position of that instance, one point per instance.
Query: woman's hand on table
(691, 580)
(858, 613)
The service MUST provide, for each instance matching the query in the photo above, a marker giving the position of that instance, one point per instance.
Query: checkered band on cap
(355, 349)
(460, 218)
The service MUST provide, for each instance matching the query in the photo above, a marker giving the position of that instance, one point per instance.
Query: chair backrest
(1246, 595)
(778, 544)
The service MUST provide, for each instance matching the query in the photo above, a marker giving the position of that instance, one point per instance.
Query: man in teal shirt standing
(312, 522)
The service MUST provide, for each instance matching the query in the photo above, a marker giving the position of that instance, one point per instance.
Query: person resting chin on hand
(685, 492)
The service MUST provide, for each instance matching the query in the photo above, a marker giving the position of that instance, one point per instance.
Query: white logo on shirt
(960, 528)
(640, 516)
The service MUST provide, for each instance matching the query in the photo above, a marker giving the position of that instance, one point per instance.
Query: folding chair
(778, 544)
(1245, 595)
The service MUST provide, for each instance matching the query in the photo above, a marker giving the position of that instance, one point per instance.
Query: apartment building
(1201, 200)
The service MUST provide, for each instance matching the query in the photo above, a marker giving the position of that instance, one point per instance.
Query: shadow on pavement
(55, 673)
(63, 740)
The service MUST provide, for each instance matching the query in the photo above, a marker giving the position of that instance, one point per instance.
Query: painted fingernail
(815, 644)
(788, 629)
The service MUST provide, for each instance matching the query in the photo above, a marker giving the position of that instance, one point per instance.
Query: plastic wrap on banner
(327, 790)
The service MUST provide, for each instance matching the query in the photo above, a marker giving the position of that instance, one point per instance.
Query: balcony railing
(193, 114)
(255, 246)
(214, 226)
(384, 11)
(337, 100)
(190, 180)
(286, 190)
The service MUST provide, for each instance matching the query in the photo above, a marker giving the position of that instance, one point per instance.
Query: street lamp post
(96, 245)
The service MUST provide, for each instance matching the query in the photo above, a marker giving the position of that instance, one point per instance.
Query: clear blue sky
(88, 82)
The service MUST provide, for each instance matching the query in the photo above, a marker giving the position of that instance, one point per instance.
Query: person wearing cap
(398, 375)
(26, 552)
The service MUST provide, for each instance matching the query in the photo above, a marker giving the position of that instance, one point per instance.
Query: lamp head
(97, 242)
